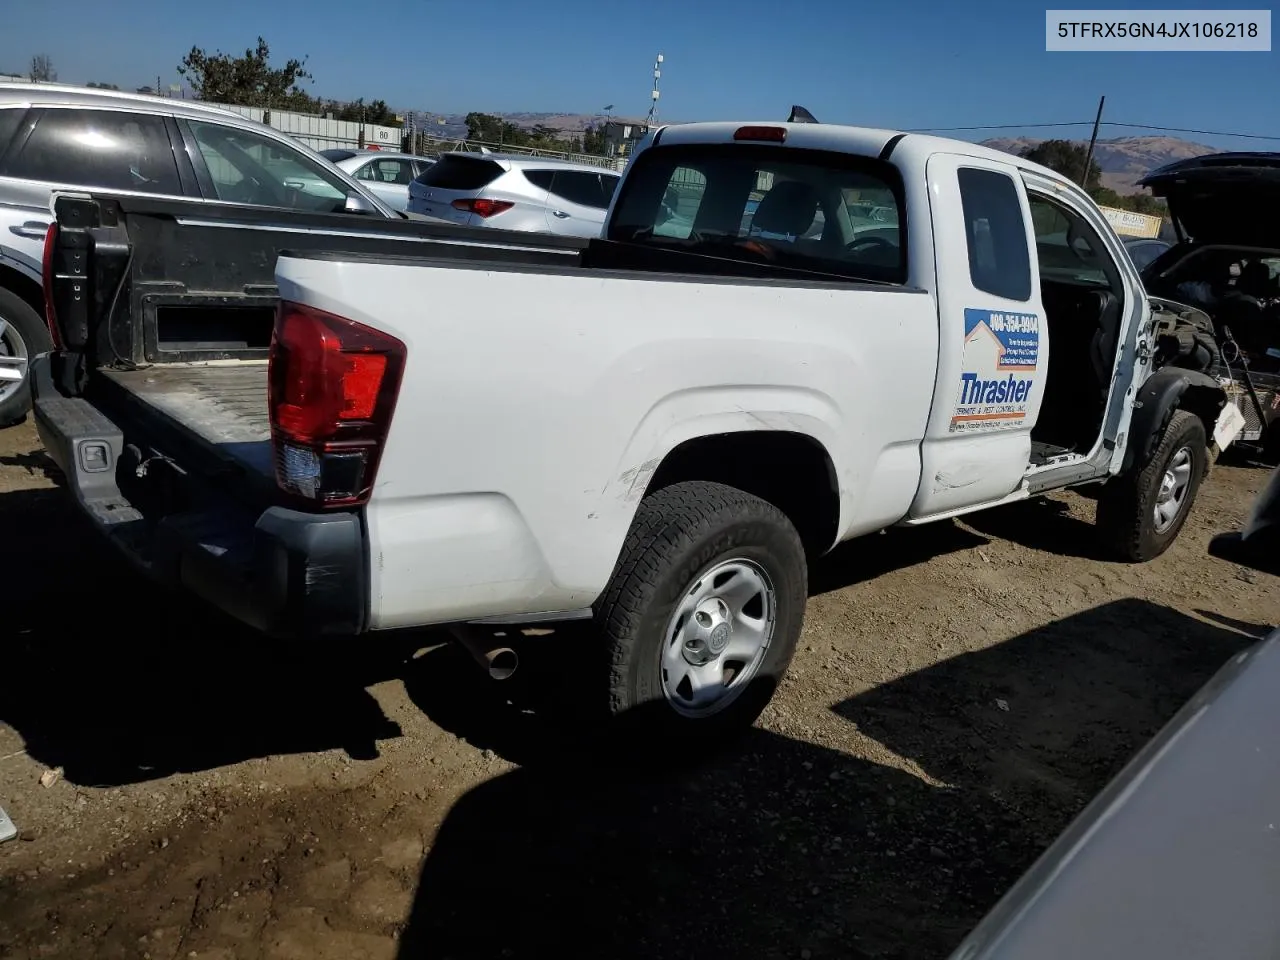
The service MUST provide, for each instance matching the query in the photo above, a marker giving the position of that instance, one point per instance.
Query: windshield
(804, 209)
(334, 156)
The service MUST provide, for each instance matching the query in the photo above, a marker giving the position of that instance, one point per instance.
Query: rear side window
(99, 148)
(453, 172)
(795, 208)
(586, 188)
(999, 262)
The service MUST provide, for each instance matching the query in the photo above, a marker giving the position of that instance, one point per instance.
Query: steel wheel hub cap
(717, 637)
(1173, 489)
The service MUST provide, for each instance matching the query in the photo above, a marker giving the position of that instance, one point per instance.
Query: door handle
(560, 213)
(32, 229)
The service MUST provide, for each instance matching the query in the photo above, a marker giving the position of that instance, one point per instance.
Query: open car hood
(1227, 198)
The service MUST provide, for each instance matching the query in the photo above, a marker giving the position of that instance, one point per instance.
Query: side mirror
(358, 203)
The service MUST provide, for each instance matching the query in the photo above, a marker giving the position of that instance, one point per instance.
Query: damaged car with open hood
(1220, 283)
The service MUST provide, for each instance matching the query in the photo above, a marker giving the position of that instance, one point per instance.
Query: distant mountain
(1124, 160)
(567, 124)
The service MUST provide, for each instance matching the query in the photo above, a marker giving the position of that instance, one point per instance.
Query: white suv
(515, 193)
(55, 137)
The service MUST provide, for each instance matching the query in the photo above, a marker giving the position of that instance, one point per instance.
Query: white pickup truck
(330, 430)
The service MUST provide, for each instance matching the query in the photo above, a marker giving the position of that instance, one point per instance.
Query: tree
(487, 128)
(1066, 158)
(593, 141)
(249, 80)
(375, 112)
(41, 70)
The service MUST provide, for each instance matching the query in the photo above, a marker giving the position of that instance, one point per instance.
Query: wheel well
(790, 470)
(1205, 402)
(23, 286)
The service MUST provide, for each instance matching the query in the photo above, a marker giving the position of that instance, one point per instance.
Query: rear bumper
(281, 571)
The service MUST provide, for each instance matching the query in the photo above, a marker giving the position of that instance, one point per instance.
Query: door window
(1068, 249)
(10, 121)
(999, 262)
(247, 167)
(109, 149)
(386, 171)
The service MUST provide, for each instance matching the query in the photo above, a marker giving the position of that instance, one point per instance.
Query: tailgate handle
(32, 229)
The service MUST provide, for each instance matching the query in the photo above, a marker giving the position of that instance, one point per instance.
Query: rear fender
(698, 412)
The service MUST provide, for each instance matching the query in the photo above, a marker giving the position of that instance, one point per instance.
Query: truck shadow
(779, 846)
(1045, 719)
(866, 558)
(118, 681)
(1043, 524)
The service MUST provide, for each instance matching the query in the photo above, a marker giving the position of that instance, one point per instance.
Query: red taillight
(483, 207)
(46, 279)
(332, 387)
(769, 134)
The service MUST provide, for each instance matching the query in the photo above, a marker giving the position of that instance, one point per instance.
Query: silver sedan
(380, 171)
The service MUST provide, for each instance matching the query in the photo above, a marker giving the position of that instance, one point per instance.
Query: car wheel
(702, 615)
(1141, 514)
(22, 336)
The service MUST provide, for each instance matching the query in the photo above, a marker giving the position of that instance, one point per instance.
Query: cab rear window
(803, 209)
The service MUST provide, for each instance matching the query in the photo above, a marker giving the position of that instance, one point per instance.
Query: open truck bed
(156, 404)
(222, 405)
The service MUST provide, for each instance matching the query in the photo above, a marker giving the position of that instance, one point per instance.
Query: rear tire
(1140, 514)
(709, 593)
(22, 336)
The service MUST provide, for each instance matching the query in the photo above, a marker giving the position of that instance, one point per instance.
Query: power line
(1086, 123)
(1203, 133)
(1000, 126)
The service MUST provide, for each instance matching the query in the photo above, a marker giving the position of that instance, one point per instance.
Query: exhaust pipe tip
(502, 663)
(498, 661)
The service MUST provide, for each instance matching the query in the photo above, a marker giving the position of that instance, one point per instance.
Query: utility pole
(1088, 157)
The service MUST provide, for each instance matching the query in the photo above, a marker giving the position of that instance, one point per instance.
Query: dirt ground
(960, 693)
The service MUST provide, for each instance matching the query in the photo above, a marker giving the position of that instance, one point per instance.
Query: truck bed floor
(225, 405)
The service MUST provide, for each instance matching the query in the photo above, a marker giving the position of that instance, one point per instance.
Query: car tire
(22, 334)
(708, 574)
(1140, 514)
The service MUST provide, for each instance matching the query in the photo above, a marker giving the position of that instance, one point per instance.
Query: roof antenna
(801, 115)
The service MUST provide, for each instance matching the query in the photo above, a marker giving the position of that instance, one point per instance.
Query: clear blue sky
(898, 64)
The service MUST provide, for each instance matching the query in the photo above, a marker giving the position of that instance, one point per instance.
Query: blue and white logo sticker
(997, 379)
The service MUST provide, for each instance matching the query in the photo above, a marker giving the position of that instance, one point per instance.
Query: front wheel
(702, 615)
(1142, 513)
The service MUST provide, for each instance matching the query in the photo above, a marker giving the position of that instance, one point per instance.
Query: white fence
(321, 133)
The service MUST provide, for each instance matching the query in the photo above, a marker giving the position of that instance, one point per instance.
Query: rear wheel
(1142, 513)
(703, 614)
(22, 336)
